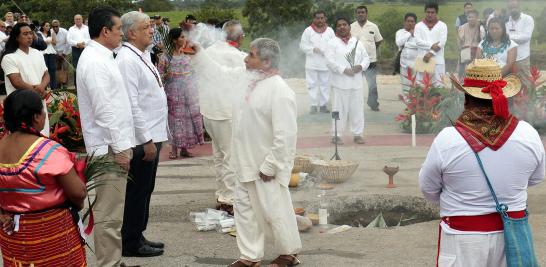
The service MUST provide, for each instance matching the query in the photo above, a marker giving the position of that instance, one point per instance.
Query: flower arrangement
(64, 120)
(421, 99)
(530, 103)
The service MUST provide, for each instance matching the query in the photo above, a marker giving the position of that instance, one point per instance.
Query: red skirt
(49, 238)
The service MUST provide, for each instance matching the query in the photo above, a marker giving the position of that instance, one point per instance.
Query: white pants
(350, 105)
(406, 83)
(473, 250)
(265, 208)
(437, 78)
(220, 132)
(318, 84)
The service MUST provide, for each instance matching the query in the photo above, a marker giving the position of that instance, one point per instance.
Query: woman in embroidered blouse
(185, 120)
(498, 46)
(40, 192)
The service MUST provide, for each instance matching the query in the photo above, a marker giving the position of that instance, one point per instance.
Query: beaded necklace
(488, 50)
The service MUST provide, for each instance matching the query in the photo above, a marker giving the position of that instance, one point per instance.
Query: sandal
(240, 263)
(173, 155)
(185, 153)
(286, 261)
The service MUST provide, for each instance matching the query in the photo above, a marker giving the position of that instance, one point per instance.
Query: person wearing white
(431, 36)
(107, 125)
(264, 144)
(520, 28)
(314, 41)
(78, 38)
(498, 46)
(217, 110)
(149, 109)
(368, 34)
(347, 81)
(3, 36)
(63, 49)
(406, 43)
(24, 67)
(50, 54)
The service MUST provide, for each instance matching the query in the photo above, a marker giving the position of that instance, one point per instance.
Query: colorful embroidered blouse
(30, 184)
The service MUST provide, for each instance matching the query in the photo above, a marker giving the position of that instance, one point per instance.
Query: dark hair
(342, 18)
(174, 34)
(475, 12)
(362, 7)
(188, 17)
(42, 28)
(488, 11)
(19, 110)
(410, 15)
(99, 18)
(432, 5)
(12, 45)
(468, 4)
(505, 39)
(319, 12)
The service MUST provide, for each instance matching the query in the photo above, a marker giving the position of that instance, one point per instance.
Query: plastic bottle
(323, 211)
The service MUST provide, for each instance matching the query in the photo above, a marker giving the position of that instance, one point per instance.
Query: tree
(155, 5)
(334, 10)
(389, 22)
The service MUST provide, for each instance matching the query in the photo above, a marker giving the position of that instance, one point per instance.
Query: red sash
(480, 223)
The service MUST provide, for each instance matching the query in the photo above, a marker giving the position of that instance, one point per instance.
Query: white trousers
(437, 78)
(350, 105)
(474, 250)
(220, 132)
(265, 208)
(319, 88)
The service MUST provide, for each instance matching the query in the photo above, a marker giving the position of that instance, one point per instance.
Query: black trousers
(51, 63)
(137, 197)
(76, 53)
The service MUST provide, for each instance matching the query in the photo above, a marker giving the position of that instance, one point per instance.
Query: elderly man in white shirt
(520, 28)
(108, 128)
(63, 49)
(314, 41)
(3, 36)
(78, 38)
(347, 81)
(264, 145)
(149, 109)
(431, 37)
(513, 158)
(217, 109)
(408, 49)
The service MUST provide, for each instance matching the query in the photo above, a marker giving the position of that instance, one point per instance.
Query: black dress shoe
(143, 251)
(152, 243)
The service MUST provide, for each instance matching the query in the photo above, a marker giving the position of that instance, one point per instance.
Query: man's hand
(349, 72)
(150, 151)
(317, 51)
(7, 222)
(436, 47)
(122, 160)
(266, 178)
(357, 69)
(427, 57)
(40, 90)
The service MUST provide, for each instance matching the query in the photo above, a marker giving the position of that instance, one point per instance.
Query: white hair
(129, 20)
(268, 49)
(233, 30)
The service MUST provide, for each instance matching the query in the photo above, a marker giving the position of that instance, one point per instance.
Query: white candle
(413, 125)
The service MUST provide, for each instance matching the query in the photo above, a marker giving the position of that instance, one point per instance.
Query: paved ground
(188, 185)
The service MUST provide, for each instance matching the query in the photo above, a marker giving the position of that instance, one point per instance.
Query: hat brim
(512, 88)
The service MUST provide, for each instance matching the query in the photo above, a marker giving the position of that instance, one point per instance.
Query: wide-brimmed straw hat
(487, 70)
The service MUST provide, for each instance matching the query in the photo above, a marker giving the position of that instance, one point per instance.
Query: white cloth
(220, 132)
(62, 46)
(500, 58)
(50, 49)
(350, 104)
(213, 102)
(521, 31)
(406, 42)
(265, 208)
(310, 40)
(472, 250)
(335, 58)
(452, 177)
(319, 87)
(148, 99)
(425, 38)
(103, 101)
(3, 40)
(369, 35)
(32, 69)
(77, 35)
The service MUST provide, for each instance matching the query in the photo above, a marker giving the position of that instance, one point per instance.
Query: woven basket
(334, 171)
(302, 163)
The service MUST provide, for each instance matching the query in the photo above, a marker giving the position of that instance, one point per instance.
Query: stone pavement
(188, 185)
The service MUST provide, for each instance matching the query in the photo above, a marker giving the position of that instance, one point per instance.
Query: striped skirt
(49, 238)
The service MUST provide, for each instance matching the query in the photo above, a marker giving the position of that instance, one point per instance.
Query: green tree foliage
(389, 22)
(208, 12)
(155, 5)
(334, 10)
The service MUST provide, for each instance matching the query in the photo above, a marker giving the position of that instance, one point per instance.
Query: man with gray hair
(149, 110)
(63, 49)
(264, 144)
(217, 111)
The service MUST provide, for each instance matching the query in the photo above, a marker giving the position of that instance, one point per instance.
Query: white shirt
(62, 46)
(103, 101)
(50, 48)
(521, 31)
(264, 126)
(452, 177)
(502, 57)
(77, 35)
(406, 42)
(369, 35)
(3, 40)
(310, 40)
(213, 103)
(148, 99)
(335, 58)
(30, 66)
(425, 38)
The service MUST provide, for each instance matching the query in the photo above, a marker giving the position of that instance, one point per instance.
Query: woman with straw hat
(485, 141)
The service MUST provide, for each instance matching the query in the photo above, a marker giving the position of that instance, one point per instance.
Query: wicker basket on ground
(302, 163)
(334, 171)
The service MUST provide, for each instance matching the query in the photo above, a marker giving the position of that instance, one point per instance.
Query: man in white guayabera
(520, 28)
(264, 144)
(314, 41)
(217, 110)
